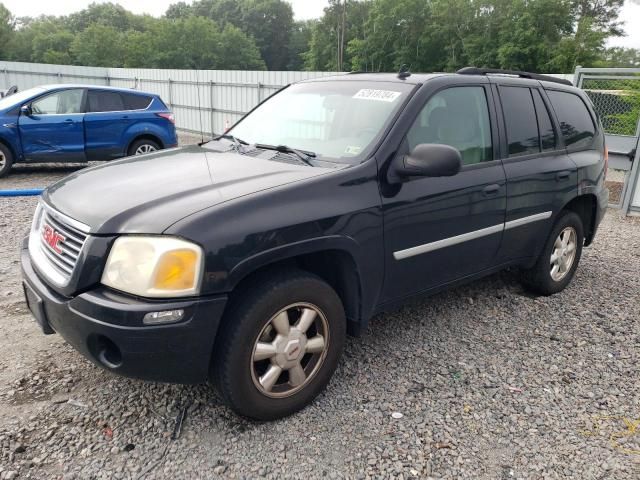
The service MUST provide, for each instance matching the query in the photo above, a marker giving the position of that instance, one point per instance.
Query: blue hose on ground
(21, 193)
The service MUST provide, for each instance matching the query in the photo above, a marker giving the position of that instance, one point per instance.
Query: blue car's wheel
(143, 146)
(6, 160)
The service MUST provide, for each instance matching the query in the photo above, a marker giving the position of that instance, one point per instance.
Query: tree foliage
(370, 35)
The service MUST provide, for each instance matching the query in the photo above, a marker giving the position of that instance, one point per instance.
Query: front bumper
(106, 327)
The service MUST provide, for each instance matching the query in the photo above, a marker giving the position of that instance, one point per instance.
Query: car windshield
(335, 120)
(19, 97)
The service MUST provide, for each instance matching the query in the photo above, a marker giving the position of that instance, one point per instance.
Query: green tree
(342, 22)
(7, 23)
(99, 45)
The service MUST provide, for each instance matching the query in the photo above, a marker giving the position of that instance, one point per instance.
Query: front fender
(290, 251)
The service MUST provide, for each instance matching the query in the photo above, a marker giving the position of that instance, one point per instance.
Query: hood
(147, 194)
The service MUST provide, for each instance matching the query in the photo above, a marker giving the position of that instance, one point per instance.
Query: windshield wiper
(237, 142)
(303, 155)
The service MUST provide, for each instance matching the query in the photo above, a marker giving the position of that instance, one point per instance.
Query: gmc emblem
(52, 238)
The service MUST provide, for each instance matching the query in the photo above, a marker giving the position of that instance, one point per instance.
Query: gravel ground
(491, 383)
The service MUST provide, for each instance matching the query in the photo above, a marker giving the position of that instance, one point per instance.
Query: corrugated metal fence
(201, 99)
(206, 100)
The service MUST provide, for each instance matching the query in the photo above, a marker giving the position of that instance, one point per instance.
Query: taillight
(606, 160)
(167, 116)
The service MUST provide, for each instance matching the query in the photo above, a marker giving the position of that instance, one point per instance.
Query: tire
(541, 278)
(6, 160)
(240, 367)
(143, 146)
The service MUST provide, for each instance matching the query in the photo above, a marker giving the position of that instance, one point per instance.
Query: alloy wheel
(145, 148)
(564, 253)
(290, 350)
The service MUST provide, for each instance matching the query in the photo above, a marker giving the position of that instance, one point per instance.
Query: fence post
(259, 92)
(171, 94)
(577, 81)
(633, 179)
(211, 84)
(108, 79)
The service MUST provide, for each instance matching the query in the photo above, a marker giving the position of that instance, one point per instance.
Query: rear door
(54, 131)
(106, 123)
(438, 230)
(541, 177)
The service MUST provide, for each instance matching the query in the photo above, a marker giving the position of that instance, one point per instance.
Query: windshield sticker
(351, 150)
(379, 95)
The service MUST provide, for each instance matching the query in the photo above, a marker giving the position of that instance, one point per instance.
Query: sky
(303, 9)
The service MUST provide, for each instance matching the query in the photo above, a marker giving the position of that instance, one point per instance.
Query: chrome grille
(55, 245)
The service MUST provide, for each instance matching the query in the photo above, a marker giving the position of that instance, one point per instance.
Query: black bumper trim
(176, 353)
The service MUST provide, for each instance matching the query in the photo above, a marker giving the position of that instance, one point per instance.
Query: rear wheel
(142, 146)
(279, 346)
(558, 262)
(6, 160)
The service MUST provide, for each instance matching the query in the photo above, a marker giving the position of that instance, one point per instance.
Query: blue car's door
(106, 121)
(53, 131)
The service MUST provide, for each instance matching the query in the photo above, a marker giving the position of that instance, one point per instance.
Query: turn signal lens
(176, 270)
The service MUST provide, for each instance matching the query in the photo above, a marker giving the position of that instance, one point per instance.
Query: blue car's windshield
(19, 97)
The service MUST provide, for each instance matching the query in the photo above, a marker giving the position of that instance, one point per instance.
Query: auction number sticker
(379, 95)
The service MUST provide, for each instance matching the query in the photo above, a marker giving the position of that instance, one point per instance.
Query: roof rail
(497, 71)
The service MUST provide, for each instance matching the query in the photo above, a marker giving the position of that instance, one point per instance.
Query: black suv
(247, 259)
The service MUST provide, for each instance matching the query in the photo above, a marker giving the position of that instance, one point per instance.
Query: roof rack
(497, 71)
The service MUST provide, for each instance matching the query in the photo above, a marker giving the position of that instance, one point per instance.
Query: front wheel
(6, 160)
(142, 146)
(279, 346)
(559, 259)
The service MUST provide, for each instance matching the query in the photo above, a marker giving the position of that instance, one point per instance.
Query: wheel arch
(7, 144)
(144, 136)
(586, 207)
(328, 259)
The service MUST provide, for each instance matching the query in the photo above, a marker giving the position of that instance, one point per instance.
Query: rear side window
(520, 119)
(104, 101)
(547, 132)
(135, 102)
(576, 124)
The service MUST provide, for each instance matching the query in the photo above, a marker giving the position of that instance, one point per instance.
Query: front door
(54, 129)
(438, 230)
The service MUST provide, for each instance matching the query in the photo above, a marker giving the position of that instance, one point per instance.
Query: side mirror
(26, 110)
(429, 160)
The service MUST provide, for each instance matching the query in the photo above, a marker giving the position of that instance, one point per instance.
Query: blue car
(80, 123)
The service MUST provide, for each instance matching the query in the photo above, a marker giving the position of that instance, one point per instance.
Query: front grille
(55, 245)
(65, 257)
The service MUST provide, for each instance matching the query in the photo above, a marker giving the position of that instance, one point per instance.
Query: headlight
(154, 266)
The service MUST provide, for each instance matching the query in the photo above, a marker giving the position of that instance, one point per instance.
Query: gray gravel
(491, 383)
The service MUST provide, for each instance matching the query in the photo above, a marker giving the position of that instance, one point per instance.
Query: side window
(104, 101)
(65, 101)
(459, 117)
(576, 124)
(135, 102)
(547, 132)
(520, 119)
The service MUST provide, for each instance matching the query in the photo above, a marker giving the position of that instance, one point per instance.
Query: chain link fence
(615, 94)
(617, 100)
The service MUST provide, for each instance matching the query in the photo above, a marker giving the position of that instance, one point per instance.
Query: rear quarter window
(135, 102)
(576, 125)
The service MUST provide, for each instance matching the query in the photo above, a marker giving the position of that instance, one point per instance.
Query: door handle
(491, 189)
(563, 175)
(69, 120)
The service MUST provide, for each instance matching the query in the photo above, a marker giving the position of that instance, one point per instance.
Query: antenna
(199, 107)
